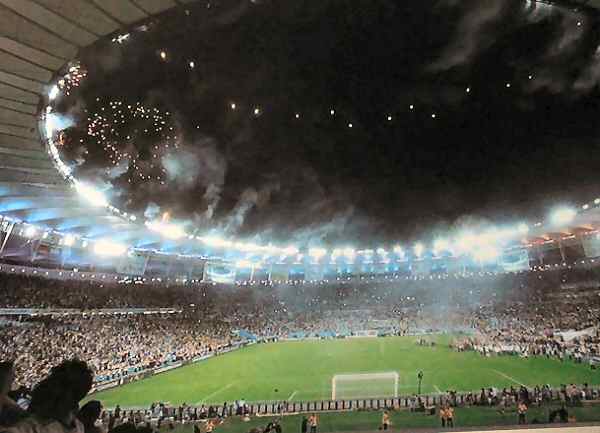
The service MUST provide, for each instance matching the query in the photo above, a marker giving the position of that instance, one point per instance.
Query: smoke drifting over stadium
(337, 121)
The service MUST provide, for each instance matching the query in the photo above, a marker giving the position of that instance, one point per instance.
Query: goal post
(364, 385)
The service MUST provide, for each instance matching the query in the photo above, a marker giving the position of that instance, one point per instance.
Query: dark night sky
(495, 153)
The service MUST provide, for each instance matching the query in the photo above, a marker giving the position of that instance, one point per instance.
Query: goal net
(370, 385)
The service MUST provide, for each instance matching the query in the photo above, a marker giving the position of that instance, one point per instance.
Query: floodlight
(216, 242)
(486, 253)
(170, 231)
(69, 240)
(30, 231)
(53, 93)
(92, 195)
(563, 216)
(109, 249)
(523, 228)
(419, 249)
(317, 253)
(440, 245)
(246, 247)
(290, 251)
(245, 264)
(466, 242)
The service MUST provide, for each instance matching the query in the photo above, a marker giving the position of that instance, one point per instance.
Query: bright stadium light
(109, 249)
(91, 194)
(246, 247)
(317, 253)
(523, 229)
(399, 251)
(419, 249)
(466, 242)
(53, 93)
(440, 245)
(30, 231)
(170, 231)
(350, 254)
(244, 264)
(216, 242)
(69, 240)
(563, 216)
(290, 251)
(486, 253)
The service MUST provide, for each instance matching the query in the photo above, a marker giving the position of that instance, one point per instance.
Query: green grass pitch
(302, 370)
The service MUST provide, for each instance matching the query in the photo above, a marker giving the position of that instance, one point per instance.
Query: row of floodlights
(483, 247)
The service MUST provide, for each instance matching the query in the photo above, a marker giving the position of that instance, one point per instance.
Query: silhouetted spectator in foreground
(89, 414)
(10, 412)
(55, 401)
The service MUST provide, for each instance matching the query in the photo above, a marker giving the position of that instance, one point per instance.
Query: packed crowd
(565, 327)
(545, 315)
(113, 346)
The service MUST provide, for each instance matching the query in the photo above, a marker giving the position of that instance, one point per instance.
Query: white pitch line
(437, 389)
(215, 393)
(506, 376)
(292, 396)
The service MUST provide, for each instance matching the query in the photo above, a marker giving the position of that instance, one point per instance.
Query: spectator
(443, 416)
(89, 415)
(522, 412)
(313, 422)
(450, 416)
(55, 400)
(385, 420)
(304, 425)
(10, 411)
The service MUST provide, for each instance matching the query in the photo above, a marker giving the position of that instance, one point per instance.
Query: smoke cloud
(473, 33)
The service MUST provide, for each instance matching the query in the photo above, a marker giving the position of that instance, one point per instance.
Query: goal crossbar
(367, 385)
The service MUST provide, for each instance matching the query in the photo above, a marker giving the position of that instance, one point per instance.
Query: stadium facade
(50, 220)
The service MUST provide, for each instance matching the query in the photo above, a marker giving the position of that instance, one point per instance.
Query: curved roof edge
(37, 38)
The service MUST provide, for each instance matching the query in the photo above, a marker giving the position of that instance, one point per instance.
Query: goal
(369, 385)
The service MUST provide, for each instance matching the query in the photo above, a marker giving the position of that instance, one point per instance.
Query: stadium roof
(37, 38)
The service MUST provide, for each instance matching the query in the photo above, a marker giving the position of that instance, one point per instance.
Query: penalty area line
(506, 376)
(218, 391)
(292, 395)
(439, 391)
